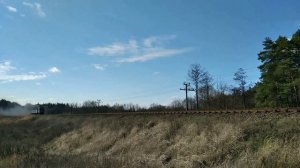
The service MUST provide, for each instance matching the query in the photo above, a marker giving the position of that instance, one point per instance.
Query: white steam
(15, 111)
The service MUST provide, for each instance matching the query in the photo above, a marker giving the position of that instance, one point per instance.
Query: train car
(39, 110)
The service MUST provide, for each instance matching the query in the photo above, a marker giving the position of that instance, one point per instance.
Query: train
(39, 110)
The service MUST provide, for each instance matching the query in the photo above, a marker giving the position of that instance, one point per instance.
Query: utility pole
(186, 89)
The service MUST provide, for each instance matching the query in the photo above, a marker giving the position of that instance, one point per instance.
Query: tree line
(218, 95)
(279, 86)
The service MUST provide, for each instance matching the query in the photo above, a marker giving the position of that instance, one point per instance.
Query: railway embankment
(169, 140)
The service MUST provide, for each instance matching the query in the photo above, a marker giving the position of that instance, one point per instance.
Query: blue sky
(130, 51)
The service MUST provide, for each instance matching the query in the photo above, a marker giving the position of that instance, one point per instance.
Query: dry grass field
(247, 140)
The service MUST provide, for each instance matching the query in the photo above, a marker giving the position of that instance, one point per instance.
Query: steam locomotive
(39, 110)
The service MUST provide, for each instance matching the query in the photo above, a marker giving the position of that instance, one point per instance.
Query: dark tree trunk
(197, 97)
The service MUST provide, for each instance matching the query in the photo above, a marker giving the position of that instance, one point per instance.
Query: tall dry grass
(151, 141)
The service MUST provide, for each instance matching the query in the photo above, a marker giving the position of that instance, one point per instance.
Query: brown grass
(151, 141)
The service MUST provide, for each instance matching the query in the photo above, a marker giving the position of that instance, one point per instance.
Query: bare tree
(177, 104)
(240, 77)
(207, 85)
(89, 103)
(195, 74)
(222, 88)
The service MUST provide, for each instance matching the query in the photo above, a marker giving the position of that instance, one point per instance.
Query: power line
(170, 90)
(186, 89)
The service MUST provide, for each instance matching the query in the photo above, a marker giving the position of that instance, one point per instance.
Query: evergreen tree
(279, 85)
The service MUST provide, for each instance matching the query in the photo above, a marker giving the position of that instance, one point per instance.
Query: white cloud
(12, 9)
(5, 74)
(54, 70)
(147, 49)
(114, 49)
(37, 7)
(100, 67)
(23, 77)
(6, 67)
(154, 40)
(154, 55)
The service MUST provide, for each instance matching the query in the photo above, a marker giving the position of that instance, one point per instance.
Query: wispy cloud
(100, 67)
(11, 9)
(6, 76)
(139, 51)
(157, 40)
(23, 77)
(7, 73)
(54, 70)
(37, 7)
(114, 49)
(6, 67)
(154, 55)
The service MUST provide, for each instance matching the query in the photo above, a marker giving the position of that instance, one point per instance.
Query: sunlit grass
(151, 141)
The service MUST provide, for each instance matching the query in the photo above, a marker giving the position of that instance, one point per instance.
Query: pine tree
(279, 85)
